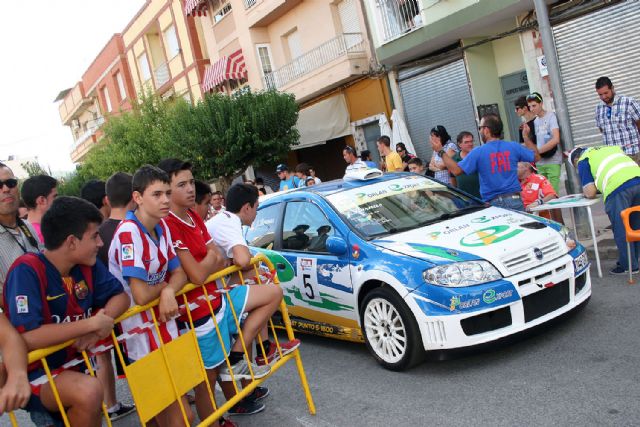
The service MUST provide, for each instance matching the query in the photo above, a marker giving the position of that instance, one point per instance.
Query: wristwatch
(441, 152)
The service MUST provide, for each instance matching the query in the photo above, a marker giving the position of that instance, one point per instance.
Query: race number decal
(308, 279)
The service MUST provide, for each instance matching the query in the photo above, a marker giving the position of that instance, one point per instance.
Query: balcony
(261, 13)
(161, 75)
(84, 142)
(333, 62)
(74, 103)
(397, 17)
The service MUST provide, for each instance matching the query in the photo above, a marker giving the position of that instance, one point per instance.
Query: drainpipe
(566, 138)
(550, 54)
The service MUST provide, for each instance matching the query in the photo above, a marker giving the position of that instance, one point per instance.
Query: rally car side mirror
(336, 245)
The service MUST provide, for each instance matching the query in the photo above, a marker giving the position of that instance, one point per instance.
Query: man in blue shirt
(287, 179)
(60, 295)
(496, 163)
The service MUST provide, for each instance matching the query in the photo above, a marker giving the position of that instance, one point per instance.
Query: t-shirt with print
(544, 125)
(288, 184)
(65, 299)
(393, 162)
(496, 163)
(193, 236)
(226, 231)
(134, 253)
(535, 187)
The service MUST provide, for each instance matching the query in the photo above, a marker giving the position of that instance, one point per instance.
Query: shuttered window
(603, 43)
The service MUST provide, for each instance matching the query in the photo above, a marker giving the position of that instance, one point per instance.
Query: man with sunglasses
(17, 237)
(618, 118)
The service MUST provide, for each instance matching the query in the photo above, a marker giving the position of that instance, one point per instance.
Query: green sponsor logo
(489, 235)
(489, 296)
(326, 302)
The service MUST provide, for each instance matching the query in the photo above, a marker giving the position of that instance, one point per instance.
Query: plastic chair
(633, 235)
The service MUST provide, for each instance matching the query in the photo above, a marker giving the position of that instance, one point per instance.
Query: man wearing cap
(536, 189)
(287, 179)
(608, 170)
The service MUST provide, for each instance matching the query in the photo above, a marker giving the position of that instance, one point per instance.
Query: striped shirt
(618, 123)
(13, 243)
(134, 253)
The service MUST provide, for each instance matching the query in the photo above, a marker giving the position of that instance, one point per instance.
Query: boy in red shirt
(536, 189)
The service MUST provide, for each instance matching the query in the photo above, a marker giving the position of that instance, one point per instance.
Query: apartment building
(105, 88)
(318, 50)
(451, 61)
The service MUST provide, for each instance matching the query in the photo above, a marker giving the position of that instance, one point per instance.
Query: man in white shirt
(225, 230)
(353, 161)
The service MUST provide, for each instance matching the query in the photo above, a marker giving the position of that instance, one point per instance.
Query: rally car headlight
(568, 239)
(462, 274)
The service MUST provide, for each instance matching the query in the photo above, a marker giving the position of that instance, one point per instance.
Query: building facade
(318, 50)
(452, 61)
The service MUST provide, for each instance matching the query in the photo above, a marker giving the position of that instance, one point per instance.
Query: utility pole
(553, 66)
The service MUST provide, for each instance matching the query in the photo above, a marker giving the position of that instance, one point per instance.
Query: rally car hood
(511, 241)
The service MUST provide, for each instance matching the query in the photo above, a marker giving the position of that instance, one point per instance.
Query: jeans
(613, 206)
(509, 203)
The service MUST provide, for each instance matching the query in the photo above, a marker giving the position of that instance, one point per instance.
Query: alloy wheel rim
(385, 330)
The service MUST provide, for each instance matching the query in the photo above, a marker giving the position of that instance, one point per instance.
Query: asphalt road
(584, 371)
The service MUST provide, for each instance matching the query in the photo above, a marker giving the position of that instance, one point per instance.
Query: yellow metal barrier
(165, 375)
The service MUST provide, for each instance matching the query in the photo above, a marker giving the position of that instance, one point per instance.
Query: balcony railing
(91, 130)
(396, 17)
(249, 3)
(328, 51)
(161, 75)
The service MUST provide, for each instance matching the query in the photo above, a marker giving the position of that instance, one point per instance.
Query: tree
(34, 168)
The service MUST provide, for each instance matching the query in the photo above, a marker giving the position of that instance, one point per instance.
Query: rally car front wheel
(390, 330)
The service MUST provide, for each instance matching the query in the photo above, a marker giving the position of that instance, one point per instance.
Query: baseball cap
(281, 168)
(575, 154)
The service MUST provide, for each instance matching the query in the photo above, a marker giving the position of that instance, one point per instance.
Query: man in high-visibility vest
(608, 170)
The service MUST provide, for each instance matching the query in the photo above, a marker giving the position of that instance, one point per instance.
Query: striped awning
(225, 68)
(195, 7)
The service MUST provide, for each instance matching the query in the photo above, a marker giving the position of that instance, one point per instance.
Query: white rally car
(410, 265)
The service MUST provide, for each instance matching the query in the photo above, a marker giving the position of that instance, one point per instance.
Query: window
(262, 233)
(107, 101)
(171, 42)
(264, 53)
(305, 228)
(121, 89)
(145, 71)
(221, 12)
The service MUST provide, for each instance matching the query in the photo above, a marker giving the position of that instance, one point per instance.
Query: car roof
(331, 187)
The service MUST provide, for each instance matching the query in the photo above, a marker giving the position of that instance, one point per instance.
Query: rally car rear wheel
(390, 330)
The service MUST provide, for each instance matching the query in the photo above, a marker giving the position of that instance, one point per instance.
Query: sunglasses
(534, 97)
(10, 183)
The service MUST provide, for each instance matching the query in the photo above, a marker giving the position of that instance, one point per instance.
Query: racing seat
(633, 235)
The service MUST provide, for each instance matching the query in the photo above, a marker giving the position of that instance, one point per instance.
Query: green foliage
(221, 135)
(34, 168)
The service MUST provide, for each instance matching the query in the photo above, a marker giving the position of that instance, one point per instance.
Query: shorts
(212, 352)
(40, 415)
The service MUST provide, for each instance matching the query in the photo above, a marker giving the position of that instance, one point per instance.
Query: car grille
(545, 301)
(581, 280)
(436, 333)
(486, 322)
(526, 259)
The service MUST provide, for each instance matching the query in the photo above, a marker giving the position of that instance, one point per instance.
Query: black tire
(406, 341)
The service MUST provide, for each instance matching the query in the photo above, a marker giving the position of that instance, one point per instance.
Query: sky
(46, 47)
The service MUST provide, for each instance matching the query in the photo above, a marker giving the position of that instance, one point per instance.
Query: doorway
(513, 87)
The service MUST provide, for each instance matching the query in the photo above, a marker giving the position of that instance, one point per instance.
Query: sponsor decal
(490, 295)
(356, 252)
(489, 235)
(480, 220)
(81, 290)
(127, 252)
(22, 303)
(54, 297)
(455, 229)
(434, 235)
(445, 253)
(461, 305)
(308, 279)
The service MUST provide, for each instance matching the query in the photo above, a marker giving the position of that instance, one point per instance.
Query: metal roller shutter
(438, 96)
(603, 43)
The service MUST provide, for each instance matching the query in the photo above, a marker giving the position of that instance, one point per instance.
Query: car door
(321, 292)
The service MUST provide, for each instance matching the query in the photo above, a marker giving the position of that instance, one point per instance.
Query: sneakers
(258, 394)
(273, 354)
(618, 270)
(246, 407)
(122, 411)
(241, 371)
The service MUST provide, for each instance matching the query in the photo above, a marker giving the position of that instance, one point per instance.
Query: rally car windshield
(400, 205)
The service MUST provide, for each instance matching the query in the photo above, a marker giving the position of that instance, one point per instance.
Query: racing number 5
(306, 280)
